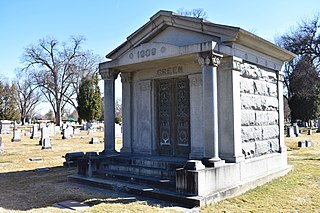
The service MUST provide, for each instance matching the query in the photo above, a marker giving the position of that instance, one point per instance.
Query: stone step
(152, 162)
(141, 190)
(139, 170)
(139, 179)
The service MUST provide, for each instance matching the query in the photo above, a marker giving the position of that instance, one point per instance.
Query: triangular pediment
(186, 35)
(170, 28)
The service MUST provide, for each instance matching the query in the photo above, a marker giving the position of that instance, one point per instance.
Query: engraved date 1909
(146, 53)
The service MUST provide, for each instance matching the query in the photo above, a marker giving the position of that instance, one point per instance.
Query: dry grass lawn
(24, 189)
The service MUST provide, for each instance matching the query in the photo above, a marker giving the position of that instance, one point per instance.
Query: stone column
(283, 147)
(196, 117)
(109, 76)
(209, 62)
(230, 144)
(126, 112)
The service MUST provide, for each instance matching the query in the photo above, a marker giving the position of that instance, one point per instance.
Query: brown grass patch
(24, 189)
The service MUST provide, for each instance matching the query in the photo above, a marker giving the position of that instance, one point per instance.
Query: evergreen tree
(83, 99)
(89, 99)
(97, 98)
(305, 86)
(8, 105)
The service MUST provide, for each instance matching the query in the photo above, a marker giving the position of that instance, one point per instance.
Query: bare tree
(28, 96)
(197, 13)
(55, 69)
(302, 82)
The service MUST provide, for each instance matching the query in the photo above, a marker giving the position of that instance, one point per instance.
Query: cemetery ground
(25, 189)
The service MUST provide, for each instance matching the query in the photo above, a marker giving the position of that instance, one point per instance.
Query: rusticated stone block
(251, 133)
(270, 132)
(246, 86)
(249, 149)
(248, 117)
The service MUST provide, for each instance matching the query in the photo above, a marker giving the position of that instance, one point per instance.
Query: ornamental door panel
(173, 113)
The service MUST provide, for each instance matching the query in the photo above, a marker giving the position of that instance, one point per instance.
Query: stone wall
(259, 111)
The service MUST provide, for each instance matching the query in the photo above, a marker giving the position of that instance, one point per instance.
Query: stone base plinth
(230, 179)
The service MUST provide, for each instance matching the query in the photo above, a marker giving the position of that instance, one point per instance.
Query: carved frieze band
(125, 78)
(145, 85)
(209, 59)
(109, 74)
(231, 63)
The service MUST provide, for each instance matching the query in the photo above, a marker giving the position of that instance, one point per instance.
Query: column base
(194, 165)
(212, 162)
(125, 150)
(108, 153)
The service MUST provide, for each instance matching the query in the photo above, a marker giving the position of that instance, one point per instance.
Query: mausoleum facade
(205, 94)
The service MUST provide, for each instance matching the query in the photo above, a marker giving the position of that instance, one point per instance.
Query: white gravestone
(16, 133)
(35, 131)
(5, 127)
(67, 133)
(290, 132)
(296, 129)
(45, 139)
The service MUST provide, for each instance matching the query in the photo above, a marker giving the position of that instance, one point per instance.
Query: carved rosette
(195, 80)
(125, 78)
(109, 74)
(209, 59)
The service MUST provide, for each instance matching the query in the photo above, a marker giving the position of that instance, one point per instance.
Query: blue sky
(106, 24)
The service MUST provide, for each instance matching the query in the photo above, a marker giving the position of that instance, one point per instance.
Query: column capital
(209, 59)
(125, 77)
(231, 63)
(280, 76)
(109, 74)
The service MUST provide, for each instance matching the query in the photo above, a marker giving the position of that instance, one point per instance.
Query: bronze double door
(173, 116)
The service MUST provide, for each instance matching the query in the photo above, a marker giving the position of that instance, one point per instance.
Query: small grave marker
(42, 169)
(72, 205)
(94, 141)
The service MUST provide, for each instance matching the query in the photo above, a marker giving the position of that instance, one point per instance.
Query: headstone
(290, 132)
(57, 129)
(42, 125)
(89, 125)
(1, 146)
(94, 141)
(16, 133)
(16, 136)
(5, 127)
(51, 130)
(35, 131)
(64, 126)
(91, 131)
(118, 131)
(76, 131)
(296, 129)
(67, 133)
(308, 143)
(45, 139)
(309, 131)
(318, 123)
(302, 144)
(84, 127)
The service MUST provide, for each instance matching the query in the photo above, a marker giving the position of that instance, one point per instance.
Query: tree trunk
(58, 115)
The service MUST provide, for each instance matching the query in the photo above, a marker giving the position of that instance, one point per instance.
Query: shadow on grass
(26, 190)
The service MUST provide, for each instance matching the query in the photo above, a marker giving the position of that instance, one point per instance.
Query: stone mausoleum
(202, 112)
